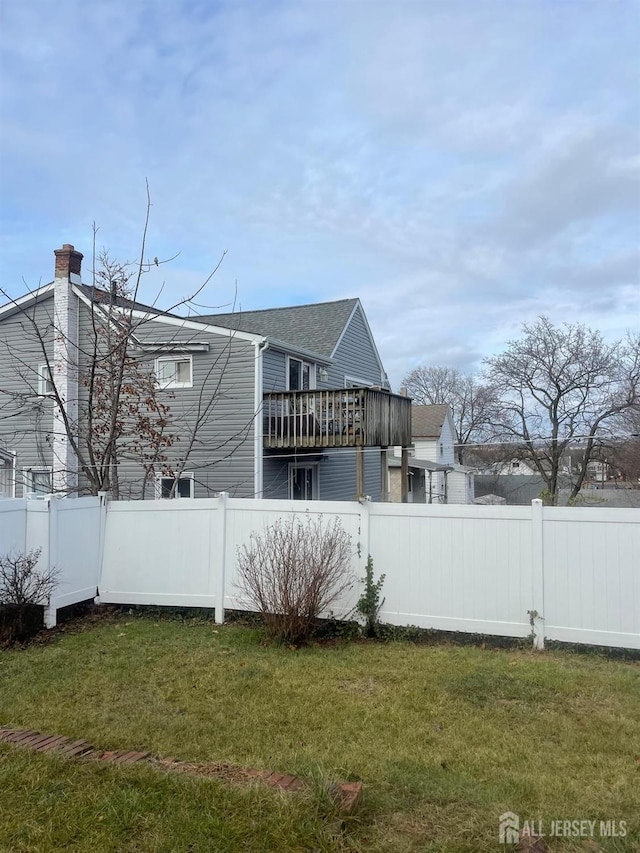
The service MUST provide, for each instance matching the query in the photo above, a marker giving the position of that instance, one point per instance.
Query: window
(301, 375)
(174, 372)
(441, 449)
(303, 482)
(175, 487)
(37, 481)
(354, 382)
(7, 475)
(45, 383)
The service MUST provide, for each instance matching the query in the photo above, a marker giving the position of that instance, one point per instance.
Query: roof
(103, 297)
(427, 421)
(413, 462)
(317, 327)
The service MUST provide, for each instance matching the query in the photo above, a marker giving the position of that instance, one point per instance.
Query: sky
(462, 166)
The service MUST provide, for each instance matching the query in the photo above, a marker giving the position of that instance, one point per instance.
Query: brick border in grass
(348, 793)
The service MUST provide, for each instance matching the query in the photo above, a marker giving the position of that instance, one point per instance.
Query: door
(303, 482)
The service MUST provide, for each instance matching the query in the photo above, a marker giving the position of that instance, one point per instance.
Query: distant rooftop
(427, 421)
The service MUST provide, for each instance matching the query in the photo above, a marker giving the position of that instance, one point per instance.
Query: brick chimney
(65, 367)
(68, 263)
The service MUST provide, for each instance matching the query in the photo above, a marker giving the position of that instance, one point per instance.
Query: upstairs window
(301, 375)
(45, 383)
(175, 487)
(175, 372)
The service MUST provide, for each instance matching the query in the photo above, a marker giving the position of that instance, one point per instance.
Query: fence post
(536, 613)
(104, 497)
(50, 610)
(364, 543)
(221, 539)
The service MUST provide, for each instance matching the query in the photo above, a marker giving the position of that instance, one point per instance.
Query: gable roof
(427, 421)
(316, 327)
(103, 297)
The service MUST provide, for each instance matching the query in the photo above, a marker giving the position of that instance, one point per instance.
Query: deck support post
(404, 475)
(384, 475)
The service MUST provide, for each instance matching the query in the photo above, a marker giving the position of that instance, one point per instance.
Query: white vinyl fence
(569, 574)
(69, 536)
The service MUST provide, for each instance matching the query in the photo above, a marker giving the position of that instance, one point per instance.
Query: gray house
(282, 403)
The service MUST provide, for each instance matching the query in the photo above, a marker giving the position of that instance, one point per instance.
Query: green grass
(445, 739)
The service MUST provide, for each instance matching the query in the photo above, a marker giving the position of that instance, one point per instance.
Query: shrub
(369, 603)
(293, 572)
(23, 588)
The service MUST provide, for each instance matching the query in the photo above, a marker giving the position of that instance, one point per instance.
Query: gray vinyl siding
(274, 367)
(355, 355)
(26, 424)
(336, 473)
(222, 456)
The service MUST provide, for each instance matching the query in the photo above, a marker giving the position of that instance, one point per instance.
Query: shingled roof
(427, 421)
(314, 327)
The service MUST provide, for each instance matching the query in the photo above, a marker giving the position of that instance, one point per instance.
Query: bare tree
(472, 400)
(624, 455)
(559, 384)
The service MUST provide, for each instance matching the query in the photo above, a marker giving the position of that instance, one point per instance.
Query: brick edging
(348, 793)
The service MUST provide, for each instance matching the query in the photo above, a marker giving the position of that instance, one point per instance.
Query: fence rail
(568, 574)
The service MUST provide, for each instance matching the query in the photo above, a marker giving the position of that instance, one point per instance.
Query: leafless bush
(293, 572)
(22, 583)
(23, 587)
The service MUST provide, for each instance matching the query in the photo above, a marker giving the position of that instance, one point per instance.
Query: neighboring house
(434, 475)
(299, 399)
(516, 467)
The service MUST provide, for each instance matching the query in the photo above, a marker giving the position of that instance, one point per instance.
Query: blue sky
(461, 166)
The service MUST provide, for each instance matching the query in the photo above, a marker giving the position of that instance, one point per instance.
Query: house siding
(222, 457)
(26, 426)
(355, 355)
(274, 375)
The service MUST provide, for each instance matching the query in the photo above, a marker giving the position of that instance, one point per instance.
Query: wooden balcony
(346, 417)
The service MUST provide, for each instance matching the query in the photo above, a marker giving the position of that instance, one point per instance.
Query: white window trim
(44, 378)
(316, 478)
(186, 475)
(312, 372)
(8, 458)
(27, 478)
(355, 382)
(169, 383)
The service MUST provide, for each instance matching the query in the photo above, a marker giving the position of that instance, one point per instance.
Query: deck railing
(345, 417)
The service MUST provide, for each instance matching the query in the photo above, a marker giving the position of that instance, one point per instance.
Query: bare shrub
(294, 571)
(23, 588)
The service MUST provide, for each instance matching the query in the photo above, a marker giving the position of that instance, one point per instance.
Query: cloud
(458, 166)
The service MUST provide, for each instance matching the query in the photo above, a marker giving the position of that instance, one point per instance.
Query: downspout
(258, 451)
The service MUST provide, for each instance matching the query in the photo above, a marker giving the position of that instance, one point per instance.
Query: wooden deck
(345, 417)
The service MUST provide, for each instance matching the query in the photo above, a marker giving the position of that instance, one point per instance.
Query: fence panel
(592, 575)
(161, 553)
(13, 526)
(75, 546)
(247, 516)
(454, 568)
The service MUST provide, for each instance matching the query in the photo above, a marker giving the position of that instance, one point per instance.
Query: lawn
(445, 739)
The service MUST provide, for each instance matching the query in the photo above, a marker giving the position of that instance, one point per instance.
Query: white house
(435, 476)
